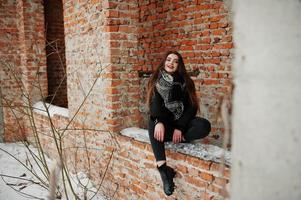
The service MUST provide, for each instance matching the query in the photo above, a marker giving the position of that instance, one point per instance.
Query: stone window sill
(40, 108)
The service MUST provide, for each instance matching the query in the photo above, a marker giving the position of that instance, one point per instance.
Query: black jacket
(159, 113)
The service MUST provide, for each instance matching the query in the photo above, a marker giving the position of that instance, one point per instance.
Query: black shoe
(171, 173)
(167, 174)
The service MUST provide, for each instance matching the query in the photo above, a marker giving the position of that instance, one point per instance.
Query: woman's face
(171, 63)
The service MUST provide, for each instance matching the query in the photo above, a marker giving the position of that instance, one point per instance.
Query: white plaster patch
(203, 151)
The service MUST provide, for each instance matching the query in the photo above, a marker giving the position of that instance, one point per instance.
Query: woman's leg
(157, 146)
(167, 173)
(197, 128)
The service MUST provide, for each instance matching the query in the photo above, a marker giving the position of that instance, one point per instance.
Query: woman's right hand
(159, 132)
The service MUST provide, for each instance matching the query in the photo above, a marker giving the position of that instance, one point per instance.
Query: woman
(173, 107)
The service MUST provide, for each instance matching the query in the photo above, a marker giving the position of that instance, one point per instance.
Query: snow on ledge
(204, 151)
(40, 108)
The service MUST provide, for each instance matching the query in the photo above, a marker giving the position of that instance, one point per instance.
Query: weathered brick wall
(10, 59)
(32, 48)
(202, 32)
(131, 172)
(101, 42)
(122, 20)
(141, 32)
(108, 44)
(131, 39)
(23, 67)
(134, 169)
(88, 63)
(55, 51)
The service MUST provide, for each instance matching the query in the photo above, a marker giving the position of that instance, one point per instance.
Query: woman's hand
(177, 136)
(159, 132)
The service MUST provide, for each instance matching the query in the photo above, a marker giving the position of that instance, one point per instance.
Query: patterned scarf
(172, 88)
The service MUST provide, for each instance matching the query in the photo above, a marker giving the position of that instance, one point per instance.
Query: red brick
(138, 144)
(111, 28)
(204, 7)
(178, 156)
(186, 48)
(214, 75)
(112, 13)
(108, 4)
(127, 29)
(206, 41)
(193, 171)
(151, 17)
(214, 189)
(137, 190)
(198, 163)
(223, 46)
(223, 25)
(181, 168)
(206, 176)
(216, 18)
(213, 25)
(197, 182)
(215, 53)
(220, 181)
(218, 32)
(218, 4)
(203, 47)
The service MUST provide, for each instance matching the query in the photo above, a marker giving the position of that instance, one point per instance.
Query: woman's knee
(202, 124)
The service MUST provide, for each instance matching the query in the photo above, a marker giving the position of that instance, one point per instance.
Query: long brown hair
(182, 71)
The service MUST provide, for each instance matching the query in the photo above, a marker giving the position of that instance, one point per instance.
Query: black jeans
(197, 128)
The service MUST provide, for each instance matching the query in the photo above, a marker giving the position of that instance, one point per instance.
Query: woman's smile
(171, 63)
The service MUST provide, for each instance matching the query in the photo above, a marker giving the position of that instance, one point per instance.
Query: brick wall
(129, 38)
(141, 32)
(108, 45)
(131, 172)
(9, 55)
(55, 51)
(202, 32)
(32, 48)
(23, 69)
(101, 42)
(122, 21)
(114, 42)
(88, 63)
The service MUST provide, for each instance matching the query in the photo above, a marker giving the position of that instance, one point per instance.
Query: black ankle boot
(167, 174)
(170, 172)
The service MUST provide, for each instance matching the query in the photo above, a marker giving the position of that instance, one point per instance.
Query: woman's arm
(158, 111)
(158, 114)
(188, 114)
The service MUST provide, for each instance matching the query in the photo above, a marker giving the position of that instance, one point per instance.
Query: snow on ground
(11, 167)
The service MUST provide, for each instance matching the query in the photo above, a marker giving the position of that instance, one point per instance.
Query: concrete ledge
(203, 151)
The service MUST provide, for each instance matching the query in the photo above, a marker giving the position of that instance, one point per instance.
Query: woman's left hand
(177, 136)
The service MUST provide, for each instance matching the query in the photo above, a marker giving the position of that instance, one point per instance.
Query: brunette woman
(173, 106)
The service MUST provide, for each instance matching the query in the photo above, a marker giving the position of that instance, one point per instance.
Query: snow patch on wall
(41, 108)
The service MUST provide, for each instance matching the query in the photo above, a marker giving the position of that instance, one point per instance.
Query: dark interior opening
(55, 51)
